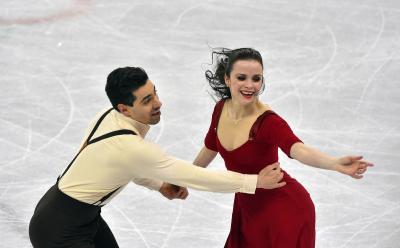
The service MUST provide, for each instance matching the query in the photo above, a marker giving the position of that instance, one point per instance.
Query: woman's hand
(353, 166)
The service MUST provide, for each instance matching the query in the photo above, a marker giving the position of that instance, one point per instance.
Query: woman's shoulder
(218, 107)
(220, 103)
(269, 124)
(270, 119)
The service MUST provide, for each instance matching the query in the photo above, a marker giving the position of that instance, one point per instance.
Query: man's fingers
(278, 176)
(273, 166)
(273, 173)
(176, 187)
(185, 194)
(278, 185)
(277, 170)
(182, 193)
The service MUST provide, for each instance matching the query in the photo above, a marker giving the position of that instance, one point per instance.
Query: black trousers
(61, 221)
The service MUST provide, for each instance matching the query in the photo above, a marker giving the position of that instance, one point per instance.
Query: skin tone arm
(205, 157)
(171, 191)
(353, 166)
(272, 173)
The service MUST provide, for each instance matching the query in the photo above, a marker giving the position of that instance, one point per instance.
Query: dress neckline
(260, 117)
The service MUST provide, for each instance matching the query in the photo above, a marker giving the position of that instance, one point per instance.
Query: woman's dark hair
(224, 59)
(121, 83)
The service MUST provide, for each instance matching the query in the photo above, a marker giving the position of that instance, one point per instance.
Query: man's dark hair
(122, 82)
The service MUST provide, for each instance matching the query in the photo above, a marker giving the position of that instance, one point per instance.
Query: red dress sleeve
(276, 131)
(211, 138)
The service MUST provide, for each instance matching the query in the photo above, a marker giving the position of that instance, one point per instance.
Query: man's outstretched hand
(171, 191)
(270, 177)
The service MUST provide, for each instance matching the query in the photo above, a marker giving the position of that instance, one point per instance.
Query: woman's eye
(241, 78)
(257, 79)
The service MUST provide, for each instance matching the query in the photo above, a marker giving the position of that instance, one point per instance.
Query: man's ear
(123, 109)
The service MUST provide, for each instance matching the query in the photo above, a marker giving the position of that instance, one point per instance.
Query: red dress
(277, 218)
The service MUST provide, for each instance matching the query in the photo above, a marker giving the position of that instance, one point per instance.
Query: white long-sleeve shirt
(112, 163)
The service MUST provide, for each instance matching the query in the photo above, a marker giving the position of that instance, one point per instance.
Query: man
(112, 154)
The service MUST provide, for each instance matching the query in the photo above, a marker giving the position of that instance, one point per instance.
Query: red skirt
(278, 218)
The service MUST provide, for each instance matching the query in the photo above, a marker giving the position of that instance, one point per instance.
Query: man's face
(146, 108)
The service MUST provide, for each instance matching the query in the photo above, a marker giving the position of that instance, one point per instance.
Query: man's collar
(137, 126)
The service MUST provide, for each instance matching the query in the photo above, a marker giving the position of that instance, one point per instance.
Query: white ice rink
(332, 70)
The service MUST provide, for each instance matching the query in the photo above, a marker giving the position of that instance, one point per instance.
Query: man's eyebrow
(148, 96)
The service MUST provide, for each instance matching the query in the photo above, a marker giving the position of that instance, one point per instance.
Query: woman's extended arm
(353, 166)
(205, 157)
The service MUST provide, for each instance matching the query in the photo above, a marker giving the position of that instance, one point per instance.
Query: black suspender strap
(98, 124)
(104, 136)
(111, 134)
(104, 198)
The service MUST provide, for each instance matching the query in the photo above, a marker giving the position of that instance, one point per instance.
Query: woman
(247, 134)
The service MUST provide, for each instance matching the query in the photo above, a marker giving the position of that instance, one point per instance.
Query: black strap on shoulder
(97, 125)
(104, 136)
(111, 134)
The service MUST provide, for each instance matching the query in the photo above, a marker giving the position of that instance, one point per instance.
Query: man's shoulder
(140, 146)
(99, 113)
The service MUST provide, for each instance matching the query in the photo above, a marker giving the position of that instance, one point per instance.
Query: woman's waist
(247, 170)
(291, 188)
(250, 167)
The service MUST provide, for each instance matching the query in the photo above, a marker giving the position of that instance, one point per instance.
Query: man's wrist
(250, 183)
(162, 186)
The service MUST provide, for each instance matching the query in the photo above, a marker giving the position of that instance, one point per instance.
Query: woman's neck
(238, 111)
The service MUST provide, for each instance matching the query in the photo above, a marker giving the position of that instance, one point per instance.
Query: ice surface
(332, 70)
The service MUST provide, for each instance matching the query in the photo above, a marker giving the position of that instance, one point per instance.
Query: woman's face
(245, 81)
